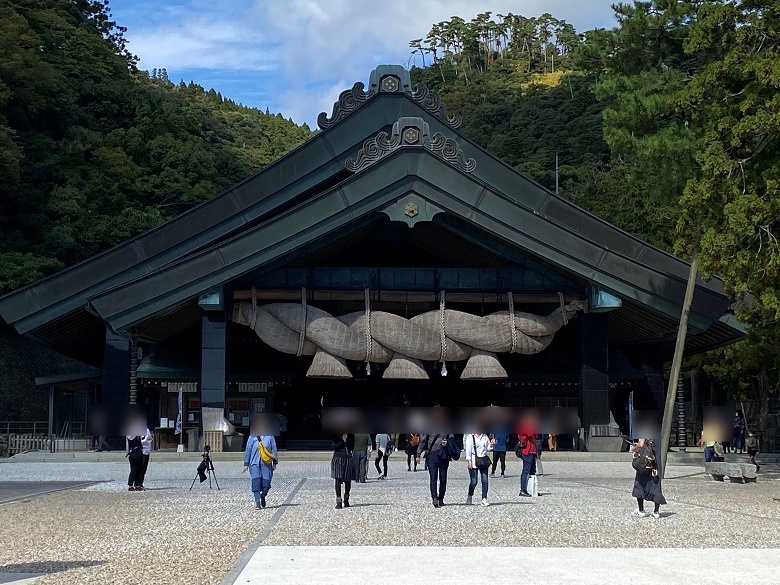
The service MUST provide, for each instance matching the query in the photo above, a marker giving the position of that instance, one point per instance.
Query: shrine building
(387, 261)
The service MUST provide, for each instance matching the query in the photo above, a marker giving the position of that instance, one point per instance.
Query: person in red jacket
(527, 436)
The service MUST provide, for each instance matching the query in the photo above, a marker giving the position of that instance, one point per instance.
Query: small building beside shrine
(387, 261)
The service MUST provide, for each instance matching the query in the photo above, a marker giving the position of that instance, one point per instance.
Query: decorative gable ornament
(410, 132)
(387, 79)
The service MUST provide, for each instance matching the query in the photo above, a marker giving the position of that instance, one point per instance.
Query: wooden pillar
(653, 367)
(594, 373)
(213, 359)
(116, 386)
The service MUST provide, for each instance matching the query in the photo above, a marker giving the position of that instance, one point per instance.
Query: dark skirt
(342, 466)
(648, 488)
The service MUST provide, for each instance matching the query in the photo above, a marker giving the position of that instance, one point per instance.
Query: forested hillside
(667, 125)
(93, 151)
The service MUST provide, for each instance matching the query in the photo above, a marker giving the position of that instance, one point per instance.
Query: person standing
(647, 481)
(478, 462)
(552, 442)
(539, 445)
(146, 449)
(260, 459)
(434, 449)
(360, 455)
(283, 422)
(499, 452)
(707, 442)
(383, 443)
(527, 450)
(135, 457)
(342, 468)
(738, 433)
(411, 451)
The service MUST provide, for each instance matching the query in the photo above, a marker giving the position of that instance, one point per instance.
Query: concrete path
(19, 578)
(327, 565)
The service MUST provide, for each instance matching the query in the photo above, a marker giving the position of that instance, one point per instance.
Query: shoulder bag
(483, 461)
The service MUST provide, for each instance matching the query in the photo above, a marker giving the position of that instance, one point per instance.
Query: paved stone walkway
(98, 534)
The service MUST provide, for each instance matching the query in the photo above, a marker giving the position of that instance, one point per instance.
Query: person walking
(360, 456)
(478, 462)
(647, 481)
(146, 449)
(552, 442)
(499, 452)
(342, 468)
(435, 450)
(383, 443)
(527, 450)
(751, 442)
(260, 459)
(411, 451)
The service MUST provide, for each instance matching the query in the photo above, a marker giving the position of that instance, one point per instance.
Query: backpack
(415, 440)
(452, 448)
(522, 444)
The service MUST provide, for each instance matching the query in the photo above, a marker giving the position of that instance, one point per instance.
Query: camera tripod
(206, 468)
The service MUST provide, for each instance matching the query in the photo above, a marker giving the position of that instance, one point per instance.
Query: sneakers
(262, 501)
(656, 515)
(485, 502)
(639, 514)
(468, 500)
(130, 488)
(258, 506)
(435, 503)
(140, 488)
(525, 495)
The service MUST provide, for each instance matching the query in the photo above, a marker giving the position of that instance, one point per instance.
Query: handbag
(480, 461)
(135, 454)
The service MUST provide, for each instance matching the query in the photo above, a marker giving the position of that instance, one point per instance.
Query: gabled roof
(361, 163)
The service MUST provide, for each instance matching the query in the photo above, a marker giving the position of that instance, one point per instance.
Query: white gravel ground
(103, 534)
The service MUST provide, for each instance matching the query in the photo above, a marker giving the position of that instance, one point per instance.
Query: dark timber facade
(391, 199)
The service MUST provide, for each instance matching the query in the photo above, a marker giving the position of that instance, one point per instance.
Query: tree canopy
(94, 151)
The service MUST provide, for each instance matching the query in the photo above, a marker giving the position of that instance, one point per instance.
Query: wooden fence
(18, 443)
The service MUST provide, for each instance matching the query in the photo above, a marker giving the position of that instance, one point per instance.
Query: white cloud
(315, 48)
(203, 41)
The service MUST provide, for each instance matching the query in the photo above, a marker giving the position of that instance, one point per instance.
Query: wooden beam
(396, 296)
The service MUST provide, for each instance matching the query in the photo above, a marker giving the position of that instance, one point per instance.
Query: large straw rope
(376, 336)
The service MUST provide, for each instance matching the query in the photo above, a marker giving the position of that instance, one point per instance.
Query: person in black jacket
(342, 468)
(433, 448)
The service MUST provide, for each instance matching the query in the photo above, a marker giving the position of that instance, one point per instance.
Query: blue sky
(295, 56)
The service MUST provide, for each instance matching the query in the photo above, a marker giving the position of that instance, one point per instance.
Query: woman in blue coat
(260, 458)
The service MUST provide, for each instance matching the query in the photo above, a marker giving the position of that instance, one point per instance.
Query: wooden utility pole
(679, 348)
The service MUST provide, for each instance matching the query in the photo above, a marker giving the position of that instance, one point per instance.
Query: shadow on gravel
(364, 505)
(44, 568)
